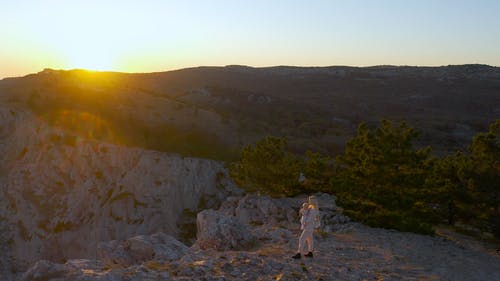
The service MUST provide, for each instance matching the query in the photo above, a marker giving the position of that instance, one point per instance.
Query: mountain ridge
(241, 66)
(316, 108)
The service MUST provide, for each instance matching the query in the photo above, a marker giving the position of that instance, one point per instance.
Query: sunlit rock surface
(142, 248)
(352, 252)
(218, 231)
(61, 195)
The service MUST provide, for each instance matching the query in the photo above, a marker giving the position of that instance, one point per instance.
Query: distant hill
(213, 111)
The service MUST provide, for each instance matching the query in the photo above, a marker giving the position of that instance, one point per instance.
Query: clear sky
(146, 36)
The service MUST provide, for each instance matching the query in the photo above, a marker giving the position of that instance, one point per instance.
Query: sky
(148, 36)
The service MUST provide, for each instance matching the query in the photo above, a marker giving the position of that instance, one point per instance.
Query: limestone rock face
(141, 248)
(355, 252)
(332, 218)
(257, 209)
(218, 231)
(254, 209)
(326, 201)
(115, 253)
(263, 210)
(46, 270)
(60, 195)
(90, 270)
(271, 218)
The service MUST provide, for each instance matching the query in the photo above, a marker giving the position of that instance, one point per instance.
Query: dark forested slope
(317, 108)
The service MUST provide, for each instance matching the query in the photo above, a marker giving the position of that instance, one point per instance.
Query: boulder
(280, 235)
(326, 201)
(273, 234)
(114, 253)
(139, 249)
(255, 210)
(259, 210)
(166, 247)
(216, 230)
(45, 270)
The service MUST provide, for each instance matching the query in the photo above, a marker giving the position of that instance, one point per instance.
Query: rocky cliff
(254, 237)
(75, 208)
(60, 194)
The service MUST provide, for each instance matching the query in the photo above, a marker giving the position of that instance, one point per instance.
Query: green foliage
(381, 176)
(485, 164)
(471, 179)
(318, 169)
(268, 167)
(384, 156)
(383, 180)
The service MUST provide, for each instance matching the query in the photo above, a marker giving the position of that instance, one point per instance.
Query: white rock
(60, 200)
(254, 209)
(114, 253)
(139, 249)
(46, 270)
(218, 231)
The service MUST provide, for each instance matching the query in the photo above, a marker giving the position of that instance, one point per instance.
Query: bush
(384, 181)
(380, 178)
(470, 178)
(268, 167)
(375, 215)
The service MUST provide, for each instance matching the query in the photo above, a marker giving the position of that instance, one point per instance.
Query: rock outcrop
(254, 209)
(264, 210)
(60, 195)
(46, 270)
(141, 248)
(218, 231)
(90, 270)
(352, 252)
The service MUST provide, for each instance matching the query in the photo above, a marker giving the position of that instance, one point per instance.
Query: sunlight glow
(88, 59)
(154, 35)
(89, 43)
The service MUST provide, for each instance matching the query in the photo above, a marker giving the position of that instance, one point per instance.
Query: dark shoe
(309, 255)
(297, 256)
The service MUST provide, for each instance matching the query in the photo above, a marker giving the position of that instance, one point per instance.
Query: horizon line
(246, 66)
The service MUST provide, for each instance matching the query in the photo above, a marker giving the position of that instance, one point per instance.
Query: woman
(309, 219)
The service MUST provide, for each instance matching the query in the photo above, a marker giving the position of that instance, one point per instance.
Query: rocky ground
(253, 238)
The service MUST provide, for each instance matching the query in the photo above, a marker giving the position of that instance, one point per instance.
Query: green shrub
(383, 180)
(380, 178)
(268, 168)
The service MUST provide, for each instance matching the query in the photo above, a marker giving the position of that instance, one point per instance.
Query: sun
(87, 50)
(94, 39)
(89, 57)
